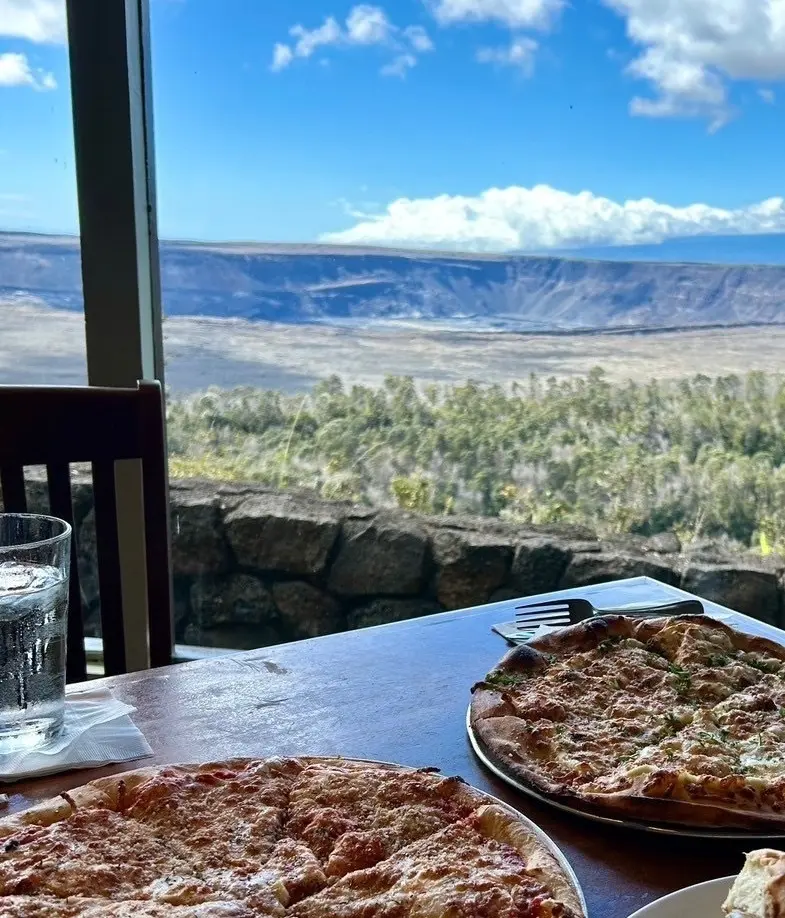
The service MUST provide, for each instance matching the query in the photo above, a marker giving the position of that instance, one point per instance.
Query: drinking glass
(35, 556)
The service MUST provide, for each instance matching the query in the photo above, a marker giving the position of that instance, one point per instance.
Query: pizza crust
(43, 814)
(592, 632)
(499, 824)
(499, 731)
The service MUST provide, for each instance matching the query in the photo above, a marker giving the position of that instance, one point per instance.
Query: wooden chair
(58, 426)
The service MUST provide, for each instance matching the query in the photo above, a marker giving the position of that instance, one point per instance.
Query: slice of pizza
(47, 907)
(222, 814)
(227, 819)
(759, 890)
(353, 815)
(486, 866)
(93, 852)
(176, 836)
(100, 854)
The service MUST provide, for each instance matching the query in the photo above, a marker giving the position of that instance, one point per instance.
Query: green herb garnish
(672, 723)
(765, 666)
(608, 644)
(504, 680)
(683, 678)
(710, 737)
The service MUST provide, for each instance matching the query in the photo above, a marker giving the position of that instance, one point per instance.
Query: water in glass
(33, 608)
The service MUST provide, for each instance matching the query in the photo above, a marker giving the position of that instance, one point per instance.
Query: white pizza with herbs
(676, 720)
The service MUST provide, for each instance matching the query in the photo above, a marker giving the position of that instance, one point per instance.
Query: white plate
(659, 829)
(701, 901)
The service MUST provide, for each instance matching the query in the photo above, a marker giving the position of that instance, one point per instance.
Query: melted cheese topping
(457, 871)
(686, 715)
(352, 823)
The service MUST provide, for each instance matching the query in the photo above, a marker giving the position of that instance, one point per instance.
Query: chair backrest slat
(61, 426)
(69, 424)
(109, 582)
(159, 582)
(12, 481)
(60, 504)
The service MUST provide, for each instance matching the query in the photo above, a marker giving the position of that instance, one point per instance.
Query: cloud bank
(686, 54)
(518, 54)
(515, 14)
(15, 70)
(365, 25)
(41, 21)
(691, 49)
(516, 218)
(689, 52)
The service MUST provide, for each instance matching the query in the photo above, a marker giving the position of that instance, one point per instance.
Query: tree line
(703, 457)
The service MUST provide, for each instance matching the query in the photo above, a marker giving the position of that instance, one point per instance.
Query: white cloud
(515, 14)
(691, 48)
(15, 70)
(282, 57)
(365, 25)
(767, 95)
(34, 20)
(309, 40)
(519, 53)
(399, 66)
(368, 25)
(418, 38)
(685, 89)
(516, 218)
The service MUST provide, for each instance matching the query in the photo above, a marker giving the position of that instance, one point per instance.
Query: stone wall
(254, 566)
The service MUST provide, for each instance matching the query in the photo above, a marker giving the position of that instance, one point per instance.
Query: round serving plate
(658, 828)
(701, 901)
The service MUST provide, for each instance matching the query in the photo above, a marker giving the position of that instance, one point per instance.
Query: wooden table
(397, 693)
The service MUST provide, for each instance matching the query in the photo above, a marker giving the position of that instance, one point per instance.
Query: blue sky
(474, 124)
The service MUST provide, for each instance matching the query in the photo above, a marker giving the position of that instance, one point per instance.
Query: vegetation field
(703, 456)
(383, 415)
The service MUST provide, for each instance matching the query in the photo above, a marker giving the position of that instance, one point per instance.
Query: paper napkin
(97, 731)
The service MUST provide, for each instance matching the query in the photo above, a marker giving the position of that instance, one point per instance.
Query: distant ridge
(317, 283)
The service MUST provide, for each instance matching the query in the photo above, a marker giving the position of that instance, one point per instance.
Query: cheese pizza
(308, 838)
(673, 720)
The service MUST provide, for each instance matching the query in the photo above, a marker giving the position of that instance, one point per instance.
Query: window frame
(111, 94)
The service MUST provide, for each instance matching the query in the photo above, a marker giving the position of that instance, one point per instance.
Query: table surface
(398, 693)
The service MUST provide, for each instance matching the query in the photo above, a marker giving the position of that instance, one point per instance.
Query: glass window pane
(40, 272)
(507, 267)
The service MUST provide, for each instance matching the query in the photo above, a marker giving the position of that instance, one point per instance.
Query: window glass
(515, 268)
(42, 338)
